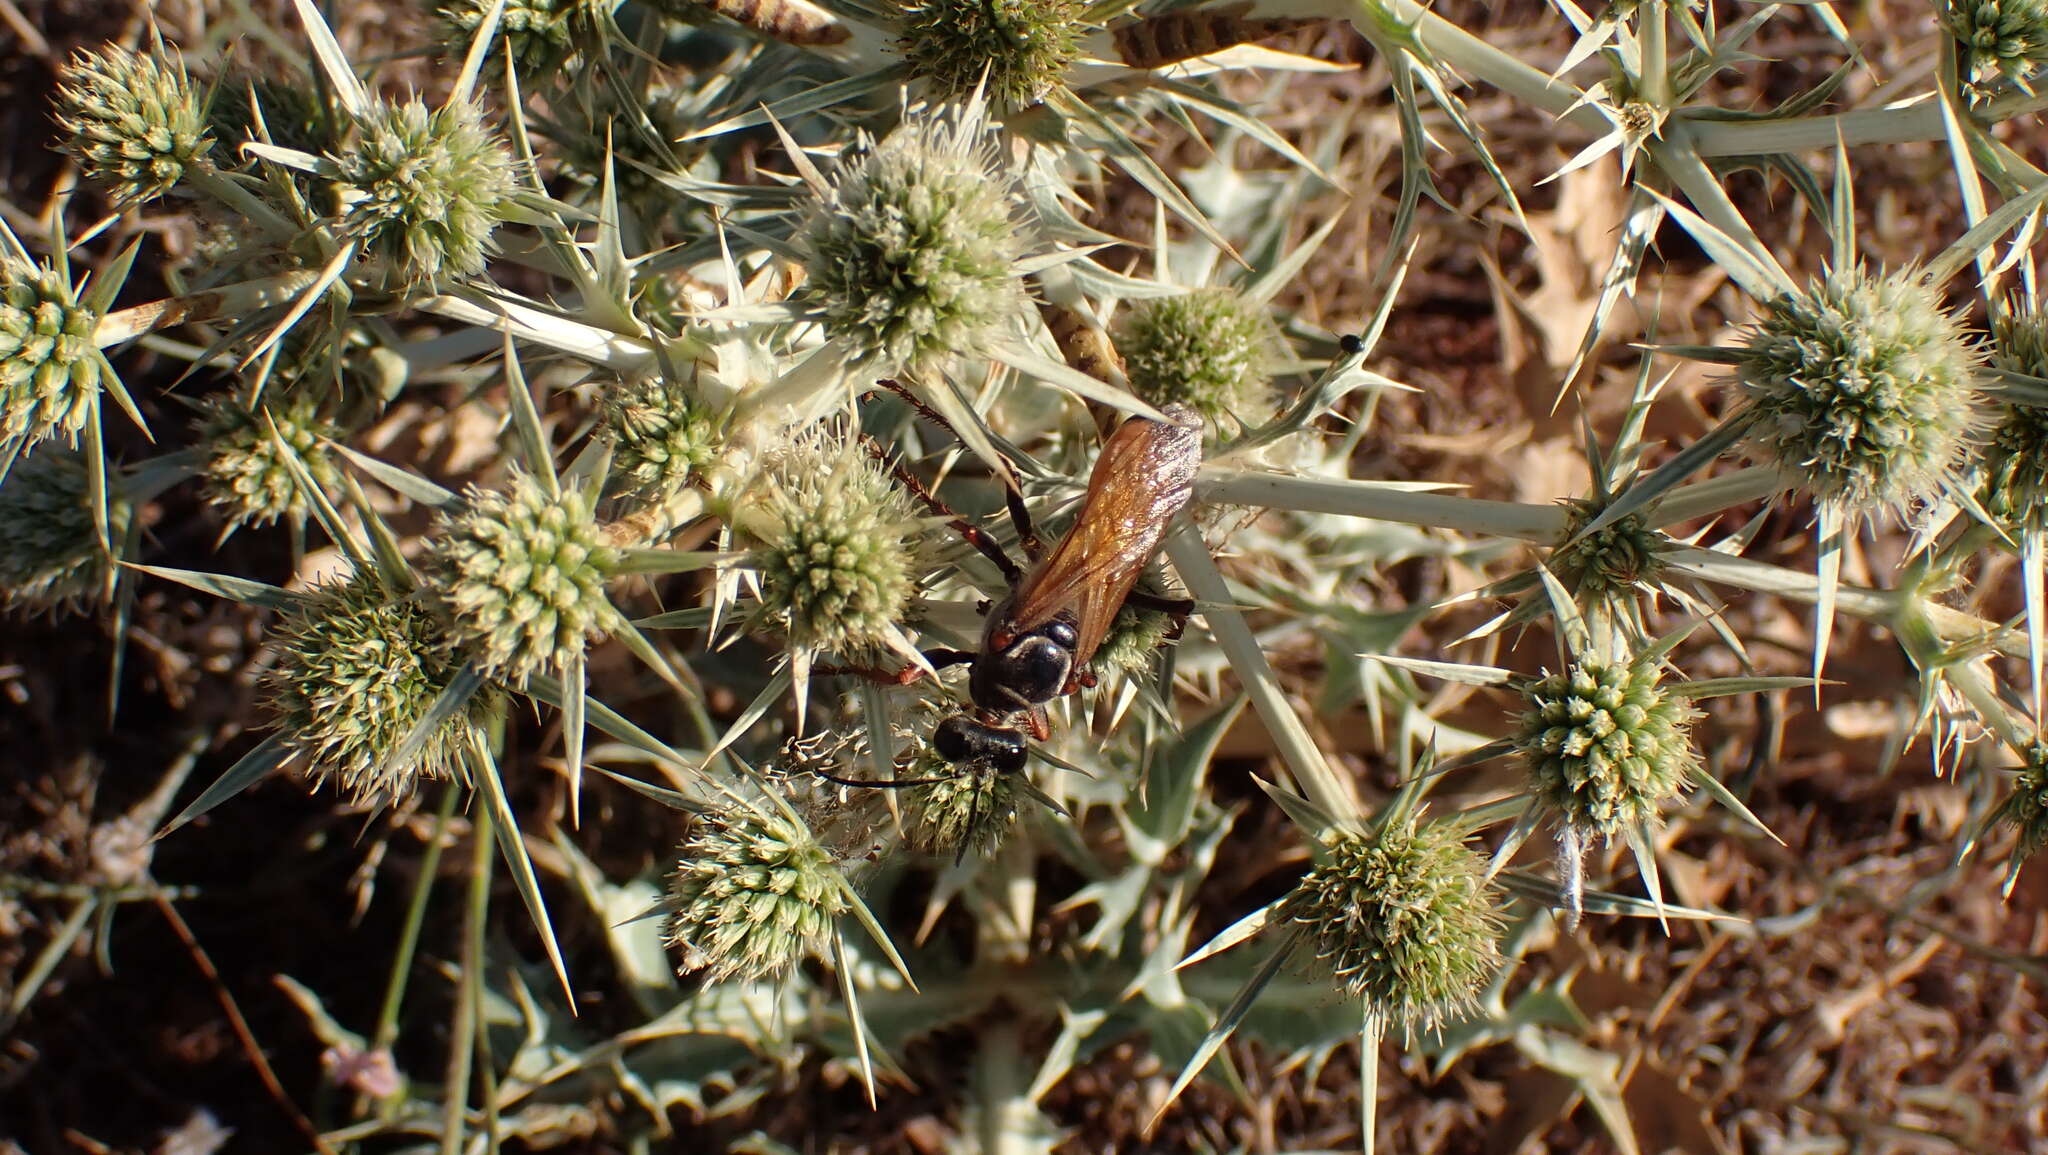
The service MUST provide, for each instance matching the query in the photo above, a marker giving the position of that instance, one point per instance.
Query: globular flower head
(358, 666)
(909, 247)
(1205, 349)
(1133, 638)
(1609, 561)
(1014, 50)
(960, 810)
(753, 892)
(540, 34)
(2007, 38)
(1403, 917)
(51, 370)
(422, 189)
(661, 437)
(520, 577)
(1865, 387)
(1605, 744)
(132, 120)
(246, 473)
(2026, 809)
(841, 548)
(52, 560)
(2015, 486)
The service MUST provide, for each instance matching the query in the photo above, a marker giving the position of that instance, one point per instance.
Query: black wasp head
(962, 739)
(1031, 671)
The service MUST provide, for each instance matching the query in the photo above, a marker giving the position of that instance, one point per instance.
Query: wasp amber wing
(1144, 476)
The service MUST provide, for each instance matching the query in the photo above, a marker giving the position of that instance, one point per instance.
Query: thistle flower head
(1133, 638)
(841, 548)
(2015, 483)
(540, 34)
(53, 561)
(246, 473)
(2026, 808)
(1608, 561)
(51, 371)
(661, 437)
(2007, 38)
(422, 189)
(961, 810)
(1865, 387)
(909, 247)
(520, 576)
(1403, 917)
(752, 892)
(358, 666)
(132, 120)
(1606, 745)
(1206, 350)
(1015, 50)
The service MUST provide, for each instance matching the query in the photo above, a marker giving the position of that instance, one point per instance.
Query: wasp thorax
(1028, 672)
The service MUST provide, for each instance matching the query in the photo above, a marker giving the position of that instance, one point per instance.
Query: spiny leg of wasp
(1013, 501)
(939, 659)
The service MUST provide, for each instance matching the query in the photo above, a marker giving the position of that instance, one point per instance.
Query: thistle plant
(752, 893)
(51, 371)
(422, 189)
(1609, 562)
(1605, 745)
(133, 121)
(520, 576)
(1403, 918)
(840, 550)
(661, 438)
(2025, 809)
(1866, 387)
(1999, 39)
(909, 246)
(1203, 349)
(541, 35)
(54, 562)
(2015, 467)
(359, 665)
(959, 812)
(1014, 50)
(248, 469)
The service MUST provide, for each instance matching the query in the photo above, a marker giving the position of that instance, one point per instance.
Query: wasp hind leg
(939, 659)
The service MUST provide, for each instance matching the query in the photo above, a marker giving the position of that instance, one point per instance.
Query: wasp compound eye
(962, 739)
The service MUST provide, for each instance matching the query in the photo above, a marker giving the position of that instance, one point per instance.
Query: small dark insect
(1036, 642)
(1352, 344)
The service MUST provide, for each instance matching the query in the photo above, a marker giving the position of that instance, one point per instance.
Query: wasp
(1036, 641)
(797, 22)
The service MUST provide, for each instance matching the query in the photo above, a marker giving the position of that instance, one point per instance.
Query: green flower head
(752, 893)
(52, 561)
(1605, 744)
(51, 370)
(1206, 350)
(1014, 50)
(246, 472)
(133, 121)
(422, 189)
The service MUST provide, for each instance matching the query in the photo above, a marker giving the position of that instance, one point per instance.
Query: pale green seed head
(1999, 38)
(2026, 808)
(422, 189)
(661, 438)
(909, 249)
(1207, 350)
(246, 474)
(1607, 562)
(52, 561)
(1605, 744)
(520, 576)
(1403, 918)
(541, 34)
(51, 370)
(841, 548)
(132, 120)
(1014, 50)
(752, 893)
(1132, 642)
(968, 809)
(2015, 475)
(1865, 388)
(358, 666)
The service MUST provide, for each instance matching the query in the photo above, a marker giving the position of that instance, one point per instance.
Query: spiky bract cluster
(2007, 38)
(358, 667)
(51, 370)
(752, 892)
(1865, 387)
(132, 120)
(840, 551)
(1605, 744)
(422, 189)
(909, 247)
(2026, 808)
(661, 437)
(52, 560)
(1014, 50)
(540, 34)
(1206, 350)
(1133, 638)
(1609, 561)
(2015, 483)
(1404, 917)
(247, 472)
(520, 575)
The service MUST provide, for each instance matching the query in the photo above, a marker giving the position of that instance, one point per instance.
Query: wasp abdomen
(797, 22)
(1158, 41)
